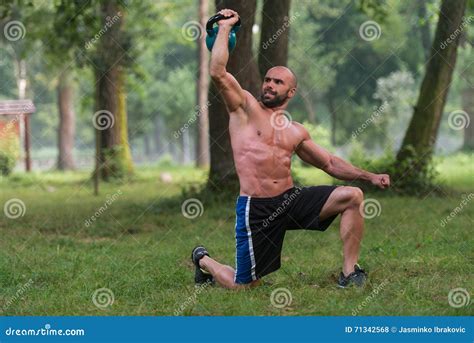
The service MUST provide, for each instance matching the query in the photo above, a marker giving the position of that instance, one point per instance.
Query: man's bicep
(231, 91)
(314, 154)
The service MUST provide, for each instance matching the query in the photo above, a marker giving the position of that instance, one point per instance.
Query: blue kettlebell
(212, 32)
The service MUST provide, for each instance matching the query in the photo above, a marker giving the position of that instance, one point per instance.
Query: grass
(139, 249)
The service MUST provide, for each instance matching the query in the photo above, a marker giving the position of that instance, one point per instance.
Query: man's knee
(353, 195)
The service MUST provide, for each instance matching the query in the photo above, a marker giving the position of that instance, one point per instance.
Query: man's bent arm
(318, 157)
(233, 94)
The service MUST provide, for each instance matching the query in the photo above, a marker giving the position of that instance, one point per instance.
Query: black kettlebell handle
(215, 18)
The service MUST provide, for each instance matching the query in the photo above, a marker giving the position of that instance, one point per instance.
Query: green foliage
(375, 8)
(320, 135)
(166, 161)
(7, 163)
(9, 152)
(176, 96)
(359, 157)
(414, 176)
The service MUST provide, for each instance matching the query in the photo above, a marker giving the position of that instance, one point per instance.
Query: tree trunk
(274, 34)
(21, 80)
(67, 122)
(157, 134)
(468, 106)
(242, 65)
(175, 152)
(308, 104)
(202, 88)
(425, 28)
(186, 147)
(146, 145)
(421, 134)
(114, 157)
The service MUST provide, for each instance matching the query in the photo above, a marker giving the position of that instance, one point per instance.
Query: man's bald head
(279, 85)
(286, 71)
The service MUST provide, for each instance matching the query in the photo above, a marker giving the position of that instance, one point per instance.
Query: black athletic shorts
(261, 224)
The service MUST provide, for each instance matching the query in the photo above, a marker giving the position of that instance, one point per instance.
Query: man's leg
(347, 200)
(224, 275)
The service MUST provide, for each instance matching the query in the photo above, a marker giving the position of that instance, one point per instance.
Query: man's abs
(262, 155)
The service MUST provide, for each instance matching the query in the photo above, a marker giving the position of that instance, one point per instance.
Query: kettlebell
(212, 32)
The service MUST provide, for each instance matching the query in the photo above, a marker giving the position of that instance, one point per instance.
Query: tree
(243, 66)
(67, 121)
(202, 89)
(60, 54)
(115, 159)
(467, 95)
(424, 28)
(422, 131)
(274, 34)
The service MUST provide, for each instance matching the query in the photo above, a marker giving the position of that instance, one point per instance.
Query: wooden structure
(15, 114)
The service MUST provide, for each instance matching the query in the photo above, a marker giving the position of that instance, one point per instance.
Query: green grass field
(51, 262)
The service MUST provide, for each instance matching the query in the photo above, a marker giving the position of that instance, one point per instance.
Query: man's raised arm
(233, 94)
(318, 157)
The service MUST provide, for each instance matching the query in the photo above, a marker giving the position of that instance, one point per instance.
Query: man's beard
(278, 100)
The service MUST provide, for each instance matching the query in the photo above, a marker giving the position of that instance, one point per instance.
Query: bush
(320, 135)
(9, 152)
(414, 176)
(166, 161)
(7, 163)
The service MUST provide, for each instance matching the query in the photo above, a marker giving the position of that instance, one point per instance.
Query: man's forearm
(220, 52)
(343, 170)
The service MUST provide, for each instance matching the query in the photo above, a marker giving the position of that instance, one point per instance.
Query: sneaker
(200, 275)
(357, 277)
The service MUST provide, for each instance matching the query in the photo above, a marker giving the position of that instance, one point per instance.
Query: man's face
(277, 87)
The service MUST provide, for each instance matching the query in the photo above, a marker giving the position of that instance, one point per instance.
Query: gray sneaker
(200, 275)
(358, 277)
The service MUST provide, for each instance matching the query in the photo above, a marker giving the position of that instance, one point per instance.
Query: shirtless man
(263, 141)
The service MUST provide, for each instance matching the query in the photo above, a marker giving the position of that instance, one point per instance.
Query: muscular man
(263, 141)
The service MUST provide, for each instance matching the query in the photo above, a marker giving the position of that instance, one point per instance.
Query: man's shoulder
(300, 130)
